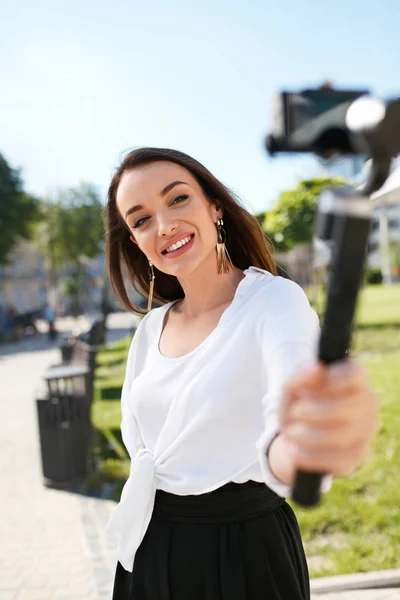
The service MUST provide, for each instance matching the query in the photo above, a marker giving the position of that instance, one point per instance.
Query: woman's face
(162, 203)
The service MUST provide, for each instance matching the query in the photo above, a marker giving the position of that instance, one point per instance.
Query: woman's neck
(205, 290)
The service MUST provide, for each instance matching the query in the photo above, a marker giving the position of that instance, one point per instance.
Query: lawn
(106, 418)
(357, 525)
(356, 528)
(379, 305)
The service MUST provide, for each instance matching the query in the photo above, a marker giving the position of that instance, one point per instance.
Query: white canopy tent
(390, 191)
(387, 196)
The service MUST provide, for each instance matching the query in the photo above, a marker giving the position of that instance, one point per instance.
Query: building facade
(23, 281)
(385, 222)
(26, 286)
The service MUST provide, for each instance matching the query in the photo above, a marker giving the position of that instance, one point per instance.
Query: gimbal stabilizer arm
(362, 126)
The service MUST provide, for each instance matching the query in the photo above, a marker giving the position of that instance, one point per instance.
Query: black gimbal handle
(327, 122)
(344, 217)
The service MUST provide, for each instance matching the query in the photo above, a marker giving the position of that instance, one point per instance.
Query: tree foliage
(291, 221)
(71, 232)
(72, 227)
(18, 210)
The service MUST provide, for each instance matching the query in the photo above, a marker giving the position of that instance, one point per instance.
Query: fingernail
(337, 370)
(306, 394)
(295, 431)
(291, 447)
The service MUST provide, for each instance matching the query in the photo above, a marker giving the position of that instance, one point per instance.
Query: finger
(334, 462)
(338, 383)
(327, 411)
(306, 380)
(346, 373)
(328, 438)
(297, 384)
(334, 378)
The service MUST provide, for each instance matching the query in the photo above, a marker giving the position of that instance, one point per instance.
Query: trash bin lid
(66, 372)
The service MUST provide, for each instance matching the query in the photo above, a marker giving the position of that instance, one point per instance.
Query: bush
(373, 276)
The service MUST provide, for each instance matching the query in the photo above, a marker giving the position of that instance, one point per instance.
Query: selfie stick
(343, 218)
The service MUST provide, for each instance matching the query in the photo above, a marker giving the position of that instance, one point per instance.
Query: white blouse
(194, 423)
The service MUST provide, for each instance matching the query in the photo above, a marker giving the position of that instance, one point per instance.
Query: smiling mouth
(191, 236)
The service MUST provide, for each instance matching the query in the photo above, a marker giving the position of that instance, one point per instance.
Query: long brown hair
(245, 240)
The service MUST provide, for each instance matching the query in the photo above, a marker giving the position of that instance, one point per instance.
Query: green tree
(47, 236)
(71, 231)
(18, 210)
(291, 221)
(79, 224)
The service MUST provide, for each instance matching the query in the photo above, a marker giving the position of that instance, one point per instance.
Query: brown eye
(139, 222)
(176, 200)
(180, 198)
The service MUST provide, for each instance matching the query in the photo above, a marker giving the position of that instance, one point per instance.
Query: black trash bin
(65, 433)
(67, 348)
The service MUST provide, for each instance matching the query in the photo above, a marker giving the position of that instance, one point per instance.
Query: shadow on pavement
(39, 342)
(113, 335)
(94, 486)
(36, 342)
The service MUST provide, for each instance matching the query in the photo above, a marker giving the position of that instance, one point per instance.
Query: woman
(223, 399)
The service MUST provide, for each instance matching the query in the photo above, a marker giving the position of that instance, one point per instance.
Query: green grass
(356, 528)
(379, 305)
(106, 417)
(110, 373)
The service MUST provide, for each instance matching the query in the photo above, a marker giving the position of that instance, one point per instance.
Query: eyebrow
(164, 191)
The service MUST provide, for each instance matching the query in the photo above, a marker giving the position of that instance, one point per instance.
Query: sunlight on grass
(106, 413)
(357, 525)
(356, 528)
(379, 304)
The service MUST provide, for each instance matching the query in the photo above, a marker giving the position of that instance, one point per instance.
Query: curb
(356, 581)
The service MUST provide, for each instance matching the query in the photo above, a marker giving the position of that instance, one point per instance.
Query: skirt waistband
(229, 503)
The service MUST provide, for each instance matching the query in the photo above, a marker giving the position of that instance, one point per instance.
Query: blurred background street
(83, 83)
(53, 542)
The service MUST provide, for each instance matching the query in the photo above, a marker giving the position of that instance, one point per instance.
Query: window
(372, 246)
(394, 223)
(374, 225)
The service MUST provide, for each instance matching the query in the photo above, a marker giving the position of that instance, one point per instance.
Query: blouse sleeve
(288, 346)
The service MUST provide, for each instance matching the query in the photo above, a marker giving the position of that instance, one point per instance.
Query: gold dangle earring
(223, 259)
(151, 289)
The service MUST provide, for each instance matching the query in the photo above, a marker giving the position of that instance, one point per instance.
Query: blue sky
(84, 81)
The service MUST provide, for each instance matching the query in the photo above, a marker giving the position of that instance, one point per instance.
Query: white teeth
(181, 242)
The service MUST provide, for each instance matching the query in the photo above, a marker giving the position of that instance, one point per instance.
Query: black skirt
(239, 542)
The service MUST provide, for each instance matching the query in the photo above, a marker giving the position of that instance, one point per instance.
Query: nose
(166, 225)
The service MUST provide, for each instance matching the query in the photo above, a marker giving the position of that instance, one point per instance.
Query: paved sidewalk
(369, 594)
(52, 543)
(379, 585)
